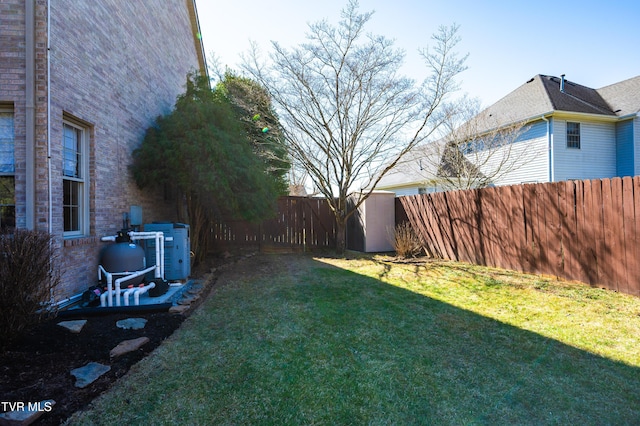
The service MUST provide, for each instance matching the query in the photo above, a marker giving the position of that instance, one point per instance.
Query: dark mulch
(37, 366)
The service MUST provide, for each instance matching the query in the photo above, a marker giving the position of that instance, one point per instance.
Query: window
(573, 135)
(75, 182)
(7, 170)
(427, 190)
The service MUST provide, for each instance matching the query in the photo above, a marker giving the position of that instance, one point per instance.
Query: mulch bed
(37, 366)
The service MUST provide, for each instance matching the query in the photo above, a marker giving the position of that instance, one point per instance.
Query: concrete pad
(132, 323)
(73, 326)
(127, 346)
(26, 413)
(89, 373)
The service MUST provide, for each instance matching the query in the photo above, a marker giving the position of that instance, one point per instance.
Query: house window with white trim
(7, 169)
(75, 179)
(427, 190)
(573, 135)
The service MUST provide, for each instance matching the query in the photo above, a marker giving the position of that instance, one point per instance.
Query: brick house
(80, 82)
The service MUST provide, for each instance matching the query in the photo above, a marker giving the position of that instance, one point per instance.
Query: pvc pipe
(160, 239)
(126, 294)
(141, 290)
(62, 304)
(106, 299)
(127, 278)
(136, 291)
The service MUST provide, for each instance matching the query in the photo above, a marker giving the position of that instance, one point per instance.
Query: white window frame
(427, 189)
(79, 176)
(574, 144)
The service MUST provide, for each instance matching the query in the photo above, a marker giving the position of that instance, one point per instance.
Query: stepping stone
(27, 413)
(132, 323)
(179, 309)
(89, 373)
(127, 346)
(73, 326)
(186, 300)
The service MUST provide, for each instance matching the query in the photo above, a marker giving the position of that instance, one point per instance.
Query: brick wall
(114, 66)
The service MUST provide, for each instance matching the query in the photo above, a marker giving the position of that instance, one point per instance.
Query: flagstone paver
(89, 373)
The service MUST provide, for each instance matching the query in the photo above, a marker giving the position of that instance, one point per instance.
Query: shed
(369, 227)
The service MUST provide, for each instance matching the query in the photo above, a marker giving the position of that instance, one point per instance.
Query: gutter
(50, 219)
(197, 37)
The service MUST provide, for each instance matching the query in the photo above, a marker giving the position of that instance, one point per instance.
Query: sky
(595, 43)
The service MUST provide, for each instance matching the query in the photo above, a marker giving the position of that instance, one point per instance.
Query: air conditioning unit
(177, 249)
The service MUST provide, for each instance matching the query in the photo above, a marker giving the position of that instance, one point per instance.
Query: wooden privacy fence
(300, 223)
(580, 230)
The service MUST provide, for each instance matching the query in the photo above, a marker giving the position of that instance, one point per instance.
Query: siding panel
(525, 161)
(624, 149)
(596, 157)
(636, 145)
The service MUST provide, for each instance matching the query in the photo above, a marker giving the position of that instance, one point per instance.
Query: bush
(405, 241)
(27, 278)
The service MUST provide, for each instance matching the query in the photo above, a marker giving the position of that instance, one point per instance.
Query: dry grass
(405, 241)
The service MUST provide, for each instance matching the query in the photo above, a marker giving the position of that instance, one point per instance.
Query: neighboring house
(432, 167)
(80, 82)
(570, 131)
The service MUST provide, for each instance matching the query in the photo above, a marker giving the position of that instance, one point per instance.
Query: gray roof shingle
(541, 95)
(623, 97)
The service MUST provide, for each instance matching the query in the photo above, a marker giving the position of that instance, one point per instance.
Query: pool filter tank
(123, 256)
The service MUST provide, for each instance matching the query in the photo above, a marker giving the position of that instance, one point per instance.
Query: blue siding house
(572, 132)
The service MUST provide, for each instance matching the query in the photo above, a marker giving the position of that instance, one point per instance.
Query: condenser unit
(177, 249)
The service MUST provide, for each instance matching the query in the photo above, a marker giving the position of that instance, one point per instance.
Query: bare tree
(348, 113)
(476, 149)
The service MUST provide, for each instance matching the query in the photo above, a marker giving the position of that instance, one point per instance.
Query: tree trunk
(341, 235)
(198, 222)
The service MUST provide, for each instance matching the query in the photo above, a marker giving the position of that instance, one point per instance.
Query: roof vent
(562, 83)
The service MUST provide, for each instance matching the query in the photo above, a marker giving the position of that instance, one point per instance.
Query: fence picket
(554, 228)
(580, 230)
(299, 222)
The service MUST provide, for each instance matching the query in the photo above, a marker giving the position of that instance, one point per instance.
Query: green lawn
(291, 339)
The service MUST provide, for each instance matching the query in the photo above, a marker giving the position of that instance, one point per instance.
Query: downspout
(50, 201)
(30, 116)
(550, 146)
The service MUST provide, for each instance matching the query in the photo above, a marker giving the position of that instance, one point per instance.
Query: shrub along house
(80, 82)
(569, 132)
